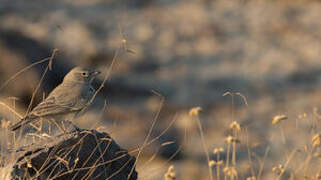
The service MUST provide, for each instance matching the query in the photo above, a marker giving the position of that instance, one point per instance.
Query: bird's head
(81, 75)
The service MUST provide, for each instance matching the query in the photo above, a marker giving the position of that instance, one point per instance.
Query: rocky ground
(190, 52)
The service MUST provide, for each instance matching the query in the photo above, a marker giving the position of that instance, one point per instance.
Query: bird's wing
(50, 107)
(60, 101)
(57, 103)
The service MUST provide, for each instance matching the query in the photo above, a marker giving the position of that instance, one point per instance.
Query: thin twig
(21, 71)
(10, 109)
(102, 85)
(149, 133)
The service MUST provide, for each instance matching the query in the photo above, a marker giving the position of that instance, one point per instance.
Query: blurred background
(187, 53)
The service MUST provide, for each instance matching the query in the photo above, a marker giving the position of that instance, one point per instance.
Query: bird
(69, 97)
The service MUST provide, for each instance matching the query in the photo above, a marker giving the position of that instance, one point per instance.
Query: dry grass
(222, 163)
(12, 141)
(225, 162)
(227, 167)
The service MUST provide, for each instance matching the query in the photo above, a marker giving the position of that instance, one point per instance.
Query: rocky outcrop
(84, 154)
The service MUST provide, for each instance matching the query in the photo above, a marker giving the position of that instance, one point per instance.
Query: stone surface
(88, 153)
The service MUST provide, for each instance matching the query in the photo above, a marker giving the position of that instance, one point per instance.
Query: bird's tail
(19, 124)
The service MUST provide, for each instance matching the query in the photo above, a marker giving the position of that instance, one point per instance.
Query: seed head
(211, 163)
(215, 163)
(235, 126)
(195, 111)
(230, 171)
(218, 150)
(29, 165)
(231, 139)
(278, 118)
(5, 124)
(170, 175)
(278, 169)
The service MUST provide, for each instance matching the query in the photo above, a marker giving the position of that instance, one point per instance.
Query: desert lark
(68, 98)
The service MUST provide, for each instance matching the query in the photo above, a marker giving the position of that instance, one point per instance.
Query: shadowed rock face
(88, 153)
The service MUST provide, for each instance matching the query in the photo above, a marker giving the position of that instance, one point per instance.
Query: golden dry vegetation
(195, 89)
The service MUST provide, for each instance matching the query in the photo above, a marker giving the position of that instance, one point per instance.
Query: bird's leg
(74, 126)
(63, 129)
(71, 122)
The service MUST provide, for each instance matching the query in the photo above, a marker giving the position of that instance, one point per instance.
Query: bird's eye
(84, 74)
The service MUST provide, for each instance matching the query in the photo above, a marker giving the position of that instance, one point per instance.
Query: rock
(85, 154)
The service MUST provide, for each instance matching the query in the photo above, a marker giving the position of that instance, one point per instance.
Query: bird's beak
(95, 73)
